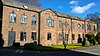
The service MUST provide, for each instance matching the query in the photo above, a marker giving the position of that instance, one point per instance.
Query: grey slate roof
(20, 5)
(34, 8)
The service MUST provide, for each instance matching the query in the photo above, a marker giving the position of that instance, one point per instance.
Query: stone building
(25, 23)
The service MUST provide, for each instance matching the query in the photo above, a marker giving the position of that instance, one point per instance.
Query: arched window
(49, 36)
(50, 22)
(12, 17)
(88, 27)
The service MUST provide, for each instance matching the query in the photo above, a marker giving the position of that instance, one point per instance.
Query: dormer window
(12, 17)
(26, 7)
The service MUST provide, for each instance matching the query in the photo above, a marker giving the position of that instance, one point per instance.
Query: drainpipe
(39, 27)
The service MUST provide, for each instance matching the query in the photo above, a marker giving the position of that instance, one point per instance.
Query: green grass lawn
(69, 46)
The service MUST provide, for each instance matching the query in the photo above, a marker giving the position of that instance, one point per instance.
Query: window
(23, 36)
(73, 25)
(82, 26)
(12, 17)
(73, 36)
(33, 35)
(33, 20)
(60, 24)
(94, 28)
(23, 19)
(49, 36)
(66, 37)
(60, 37)
(50, 22)
(79, 25)
(88, 27)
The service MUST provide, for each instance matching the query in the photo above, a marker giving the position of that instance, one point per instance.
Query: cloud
(79, 9)
(73, 2)
(59, 6)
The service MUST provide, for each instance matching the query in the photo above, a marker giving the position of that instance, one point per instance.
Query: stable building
(25, 23)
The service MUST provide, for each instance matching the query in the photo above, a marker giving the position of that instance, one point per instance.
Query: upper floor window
(33, 35)
(50, 22)
(12, 17)
(83, 26)
(23, 19)
(88, 27)
(79, 25)
(73, 25)
(33, 20)
(23, 36)
(60, 24)
(49, 36)
(94, 28)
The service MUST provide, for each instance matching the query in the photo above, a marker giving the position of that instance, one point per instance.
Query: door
(11, 38)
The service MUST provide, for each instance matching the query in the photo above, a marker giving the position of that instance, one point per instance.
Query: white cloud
(59, 6)
(79, 9)
(73, 2)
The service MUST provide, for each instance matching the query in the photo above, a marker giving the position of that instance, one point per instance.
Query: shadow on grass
(44, 50)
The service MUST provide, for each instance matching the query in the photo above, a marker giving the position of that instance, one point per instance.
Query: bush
(17, 44)
(94, 42)
(97, 37)
(85, 42)
(39, 45)
(30, 46)
(90, 37)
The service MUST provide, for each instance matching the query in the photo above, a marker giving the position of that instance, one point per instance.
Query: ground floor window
(66, 37)
(73, 36)
(49, 36)
(22, 36)
(33, 35)
(60, 37)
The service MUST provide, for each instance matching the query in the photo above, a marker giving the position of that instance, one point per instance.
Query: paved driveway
(91, 50)
(18, 52)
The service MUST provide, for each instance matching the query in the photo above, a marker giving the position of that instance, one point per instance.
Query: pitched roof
(34, 8)
(21, 5)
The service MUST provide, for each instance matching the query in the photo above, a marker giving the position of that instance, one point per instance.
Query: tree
(32, 2)
(93, 16)
(96, 18)
(65, 25)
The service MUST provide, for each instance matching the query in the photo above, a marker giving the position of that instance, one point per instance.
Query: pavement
(91, 50)
(85, 51)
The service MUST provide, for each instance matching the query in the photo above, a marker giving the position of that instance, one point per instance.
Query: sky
(78, 8)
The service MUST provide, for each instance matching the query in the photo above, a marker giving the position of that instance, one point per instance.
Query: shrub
(30, 46)
(85, 42)
(1, 41)
(97, 37)
(39, 45)
(17, 44)
(94, 41)
(90, 37)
